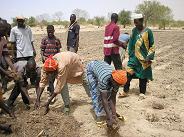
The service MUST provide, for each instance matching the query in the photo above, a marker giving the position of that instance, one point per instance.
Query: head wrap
(120, 76)
(50, 64)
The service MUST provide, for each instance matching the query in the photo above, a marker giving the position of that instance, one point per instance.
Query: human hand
(10, 74)
(34, 53)
(13, 75)
(37, 104)
(112, 124)
(12, 114)
(46, 108)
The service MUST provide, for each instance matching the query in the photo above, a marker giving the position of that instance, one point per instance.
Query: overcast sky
(12, 8)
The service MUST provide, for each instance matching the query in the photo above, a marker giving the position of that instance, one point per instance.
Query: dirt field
(161, 114)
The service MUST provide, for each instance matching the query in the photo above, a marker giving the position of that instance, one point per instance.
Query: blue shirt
(103, 72)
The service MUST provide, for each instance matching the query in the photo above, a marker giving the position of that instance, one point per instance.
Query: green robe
(141, 48)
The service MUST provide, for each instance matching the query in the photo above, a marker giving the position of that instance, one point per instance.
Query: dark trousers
(73, 49)
(15, 93)
(142, 84)
(115, 58)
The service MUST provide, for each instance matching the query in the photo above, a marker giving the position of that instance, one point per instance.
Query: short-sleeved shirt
(103, 73)
(50, 46)
(20, 66)
(70, 70)
(23, 38)
(73, 32)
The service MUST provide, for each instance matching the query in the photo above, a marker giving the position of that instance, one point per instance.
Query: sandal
(120, 117)
(123, 95)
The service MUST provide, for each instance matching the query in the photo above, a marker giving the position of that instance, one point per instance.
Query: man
(112, 44)
(141, 50)
(73, 35)
(124, 37)
(69, 69)
(4, 29)
(104, 83)
(50, 45)
(22, 40)
(3, 61)
(26, 69)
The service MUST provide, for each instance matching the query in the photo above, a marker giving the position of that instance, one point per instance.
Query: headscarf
(120, 76)
(50, 64)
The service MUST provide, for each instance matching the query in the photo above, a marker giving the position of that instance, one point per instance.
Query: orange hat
(120, 76)
(50, 64)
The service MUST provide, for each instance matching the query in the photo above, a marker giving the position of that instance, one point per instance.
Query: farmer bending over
(68, 68)
(104, 83)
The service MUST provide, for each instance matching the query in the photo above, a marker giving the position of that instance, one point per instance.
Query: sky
(27, 8)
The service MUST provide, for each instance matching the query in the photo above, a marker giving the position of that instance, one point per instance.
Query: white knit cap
(136, 16)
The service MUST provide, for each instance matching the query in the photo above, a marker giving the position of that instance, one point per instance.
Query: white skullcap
(136, 16)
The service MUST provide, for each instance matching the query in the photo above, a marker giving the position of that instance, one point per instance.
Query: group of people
(100, 80)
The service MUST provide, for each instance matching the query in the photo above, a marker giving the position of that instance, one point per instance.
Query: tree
(41, 17)
(99, 21)
(165, 16)
(14, 23)
(82, 20)
(149, 9)
(109, 15)
(58, 15)
(154, 12)
(91, 21)
(81, 13)
(32, 21)
(124, 17)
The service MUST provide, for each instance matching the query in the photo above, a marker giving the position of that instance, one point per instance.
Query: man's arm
(61, 81)
(48, 103)
(3, 71)
(9, 62)
(42, 49)
(34, 51)
(151, 50)
(116, 37)
(59, 46)
(77, 29)
(113, 102)
(13, 44)
(39, 91)
(31, 39)
(106, 105)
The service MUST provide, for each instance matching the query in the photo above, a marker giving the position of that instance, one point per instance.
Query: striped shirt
(50, 46)
(103, 72)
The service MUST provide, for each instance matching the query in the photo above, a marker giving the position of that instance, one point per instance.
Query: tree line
(155, 14)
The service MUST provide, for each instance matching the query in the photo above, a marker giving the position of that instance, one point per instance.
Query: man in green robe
(141, 52)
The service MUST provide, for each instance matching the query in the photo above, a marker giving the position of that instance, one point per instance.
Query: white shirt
(23, 38)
